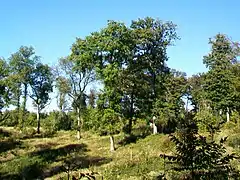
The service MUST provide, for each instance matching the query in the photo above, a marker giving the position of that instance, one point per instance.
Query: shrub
(28, 132)
(31, 119)
(12, 118)
(198, 157)
(63, 122)
(234, 141)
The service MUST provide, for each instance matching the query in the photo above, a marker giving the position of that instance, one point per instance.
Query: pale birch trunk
(154, 128)
(228, 116)
(220, 112)
(112, 147)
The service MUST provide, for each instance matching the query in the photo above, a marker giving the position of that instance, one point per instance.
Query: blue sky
(51, 26)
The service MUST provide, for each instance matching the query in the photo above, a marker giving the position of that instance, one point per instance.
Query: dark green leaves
(41, 84)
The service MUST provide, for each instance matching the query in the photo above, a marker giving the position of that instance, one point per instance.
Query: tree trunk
(38, 119)
(220, 112)
(24, 104)
(18, 104)
(79, 123)
(112, 147)
(154, 128)
(228, 116)
(131, 115)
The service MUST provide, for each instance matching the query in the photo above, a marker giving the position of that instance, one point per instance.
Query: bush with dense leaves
(198, 157)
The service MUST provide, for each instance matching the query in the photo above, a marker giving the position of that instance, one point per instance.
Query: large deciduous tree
(5, 91)
(22, 62)
(153, 37)
(132, 64)
(78, 69)
(41, 80)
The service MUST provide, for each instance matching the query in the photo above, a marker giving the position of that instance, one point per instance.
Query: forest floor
(52, 157)
(28, 157)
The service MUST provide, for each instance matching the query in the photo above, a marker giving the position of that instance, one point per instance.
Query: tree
(169, 107)
(198, 158)
(219, 83)
(196, 92)
(138, 54)
(22, 63)
(152, 40)
(116, 51)
(111, 123)
(41, 80)
(92, 98)
(78, 68)
(5, 91)
(63, 88)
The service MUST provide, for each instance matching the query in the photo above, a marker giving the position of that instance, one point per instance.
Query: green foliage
(234, 141)
(169, 107)
(4, 86)
(41, 84)
(27, 168)
(91, 119)
(22, 64)
(63, 87)
(78, 72)
(219, 83)
(59, 121)
(27, 132)
(200, 158)
(11, 118)
(110, 122)
(207, 121)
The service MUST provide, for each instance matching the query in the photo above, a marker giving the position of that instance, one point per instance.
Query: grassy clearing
(51, 157)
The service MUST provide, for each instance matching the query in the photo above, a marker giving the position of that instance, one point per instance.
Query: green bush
(56, 121)
(28, 132)
(141, 130)
(12, 118)
(48, 126)
(31, 119)
(62, 121)
(234, 141)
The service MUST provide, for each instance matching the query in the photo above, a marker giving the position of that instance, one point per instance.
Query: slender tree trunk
(38, 119)
(18, 104)
(24, 104)
(220, 112)
(112, 146)
(131, 115)
(79, 123)
(228, 115)
(155, 131)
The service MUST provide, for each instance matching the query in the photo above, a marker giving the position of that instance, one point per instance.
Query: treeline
(130, 64)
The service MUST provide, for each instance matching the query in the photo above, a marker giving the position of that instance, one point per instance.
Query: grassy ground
(27, 156)
(52, 157)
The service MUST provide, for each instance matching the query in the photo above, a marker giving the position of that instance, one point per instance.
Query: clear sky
(51, 26)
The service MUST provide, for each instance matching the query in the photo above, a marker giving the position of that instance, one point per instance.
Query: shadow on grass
(9, 144)
(23, 168)
(48, 145)
(30, 172)
(4, 133)
(36, 164)
(140, 132)
(34, 135)
(76, 163)
(49, 155)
